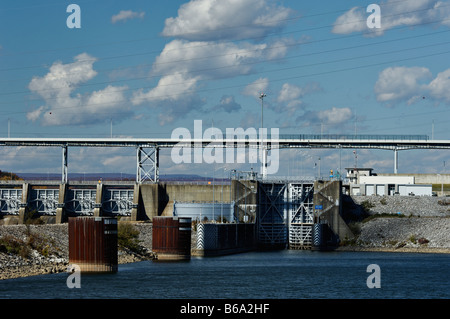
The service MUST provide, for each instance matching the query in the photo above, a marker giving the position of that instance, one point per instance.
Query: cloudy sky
(145, 68)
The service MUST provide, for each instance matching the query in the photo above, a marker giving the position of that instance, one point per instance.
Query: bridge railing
(352, 137)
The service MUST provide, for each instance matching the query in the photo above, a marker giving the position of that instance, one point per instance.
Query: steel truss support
(147, 164)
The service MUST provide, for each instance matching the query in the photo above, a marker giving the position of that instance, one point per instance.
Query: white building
(364, 182)
(353, 174)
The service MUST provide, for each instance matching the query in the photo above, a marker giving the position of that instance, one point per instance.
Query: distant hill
(8, 176)
(109, 177)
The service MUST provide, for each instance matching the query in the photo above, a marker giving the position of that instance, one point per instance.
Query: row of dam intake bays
(228, 216)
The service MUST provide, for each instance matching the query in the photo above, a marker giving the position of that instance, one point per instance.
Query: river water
(287, 274)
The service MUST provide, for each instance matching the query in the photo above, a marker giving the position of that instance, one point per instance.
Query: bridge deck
(398, 142)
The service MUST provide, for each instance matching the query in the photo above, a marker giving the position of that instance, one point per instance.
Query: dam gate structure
(283, 213)
(57, 202)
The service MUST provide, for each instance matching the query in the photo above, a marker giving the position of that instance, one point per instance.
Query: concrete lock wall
(220, 239)
(220, 212)
(328, 208)
(158, 199)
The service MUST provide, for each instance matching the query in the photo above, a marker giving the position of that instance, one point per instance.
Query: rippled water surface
(284, 274)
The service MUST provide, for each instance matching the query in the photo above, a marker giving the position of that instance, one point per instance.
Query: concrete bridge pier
(328, 208)
(136, 195)
(23, 210)
(98, 200)
(60, 211)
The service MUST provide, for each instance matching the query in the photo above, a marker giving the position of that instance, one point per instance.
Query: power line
(235, 86)
(246, 63)
(208, 43)
(218, 29)
(270, 71)
(282, 79)
(289, 68)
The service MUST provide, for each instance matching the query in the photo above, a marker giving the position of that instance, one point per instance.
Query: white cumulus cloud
(227, 104)
(198, 56)
(331, 118)
(256, 87)
(335, 116)
(125, 15)
(410, 84)
(185, 66)
(394, 13)
(440, 86)
(35, 114)
(63, 106)
(226, 19)
(397, 83)
(289, 99)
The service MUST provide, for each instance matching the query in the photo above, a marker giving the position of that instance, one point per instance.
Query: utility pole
(263, 149)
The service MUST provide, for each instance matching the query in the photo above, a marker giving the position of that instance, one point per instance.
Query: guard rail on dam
(283, 213)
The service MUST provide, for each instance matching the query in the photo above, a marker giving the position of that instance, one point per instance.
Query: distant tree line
(6, 176)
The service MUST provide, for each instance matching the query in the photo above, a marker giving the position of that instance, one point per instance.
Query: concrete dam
(277, 214)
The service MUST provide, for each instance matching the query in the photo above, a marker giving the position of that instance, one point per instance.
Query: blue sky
(150, 67)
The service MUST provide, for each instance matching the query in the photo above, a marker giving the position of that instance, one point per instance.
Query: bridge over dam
(147, 149)
(283, 213)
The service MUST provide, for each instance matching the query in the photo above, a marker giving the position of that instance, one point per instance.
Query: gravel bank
(417, 234)
(425, 206)
(423, 224)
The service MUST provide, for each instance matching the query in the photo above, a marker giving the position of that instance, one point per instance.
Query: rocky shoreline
(403, 223)
(54, 258)
(421, 231)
